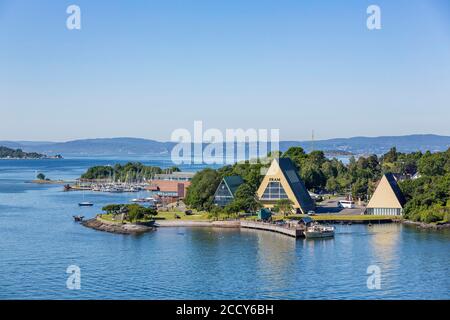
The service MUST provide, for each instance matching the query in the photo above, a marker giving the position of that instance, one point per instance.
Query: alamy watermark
(374, 19)
(73, 21)
(212, 146)
(73, 282)
(374, 278)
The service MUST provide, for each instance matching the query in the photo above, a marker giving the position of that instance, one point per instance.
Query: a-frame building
(225, 191)
(282, 181)
(387, 199)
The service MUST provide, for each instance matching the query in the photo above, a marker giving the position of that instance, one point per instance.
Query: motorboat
(85, 204)
(319, 231)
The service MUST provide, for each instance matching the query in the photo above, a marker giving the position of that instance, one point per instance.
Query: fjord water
(39, 240)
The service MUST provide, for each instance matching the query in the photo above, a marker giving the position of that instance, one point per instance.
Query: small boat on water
(78, 218)
(85, 204)
(138, 200)
(319, 231)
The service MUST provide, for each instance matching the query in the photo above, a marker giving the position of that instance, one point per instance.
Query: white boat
(319, 231)
(85, 204)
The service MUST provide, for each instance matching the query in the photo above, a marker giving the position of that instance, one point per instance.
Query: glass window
(274, 191)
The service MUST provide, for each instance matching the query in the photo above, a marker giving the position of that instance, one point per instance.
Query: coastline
(423, 225)
(49, 181)
(118, 228)
(100, 224)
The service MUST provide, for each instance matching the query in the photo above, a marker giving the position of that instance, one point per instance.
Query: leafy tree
(200, 193)
(132, 171)
(295, 154)
(133, 212)
(391, 155)
(432, 164)
(284, 206)
(246, 198)
(40, 176)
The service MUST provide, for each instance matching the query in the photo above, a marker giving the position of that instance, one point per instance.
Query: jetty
(295, 231)
(287, 229)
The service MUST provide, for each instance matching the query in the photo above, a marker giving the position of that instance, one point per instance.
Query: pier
(291, 231)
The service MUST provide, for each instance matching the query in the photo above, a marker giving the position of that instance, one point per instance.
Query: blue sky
(146, 68)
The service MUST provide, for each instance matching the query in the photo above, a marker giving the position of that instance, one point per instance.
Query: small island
(42, 179)
(124, 219)
(8, 153)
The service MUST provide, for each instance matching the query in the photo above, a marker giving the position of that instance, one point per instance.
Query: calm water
(39, 240)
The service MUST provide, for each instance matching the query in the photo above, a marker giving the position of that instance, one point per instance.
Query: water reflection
(384, 241)
(275, 258)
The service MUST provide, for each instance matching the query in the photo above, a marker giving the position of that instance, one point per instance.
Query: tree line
(427, 196)
(131, 171)
(19, 154)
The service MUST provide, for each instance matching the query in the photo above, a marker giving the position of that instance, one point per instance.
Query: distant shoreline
(43, 158)
(49, 181)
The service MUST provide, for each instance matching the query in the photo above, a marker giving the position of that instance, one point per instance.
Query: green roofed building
(226, 190)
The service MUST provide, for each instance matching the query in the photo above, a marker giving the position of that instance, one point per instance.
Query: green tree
(391, 155)
(295, 153)
(40, 176)
(284, 206)
(200, 193)
(246, 198)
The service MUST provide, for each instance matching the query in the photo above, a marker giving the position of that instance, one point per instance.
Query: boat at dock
(319, 231)
(139, 200)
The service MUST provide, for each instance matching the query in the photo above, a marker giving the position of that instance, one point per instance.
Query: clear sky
(145, 68)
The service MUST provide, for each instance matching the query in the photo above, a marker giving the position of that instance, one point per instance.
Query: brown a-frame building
(387, 199)
(282, 181)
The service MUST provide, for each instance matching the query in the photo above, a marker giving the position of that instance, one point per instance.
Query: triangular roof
(387, 194)
(233, 183)
(285, 170)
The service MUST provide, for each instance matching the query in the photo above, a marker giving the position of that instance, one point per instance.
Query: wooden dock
(286, 230)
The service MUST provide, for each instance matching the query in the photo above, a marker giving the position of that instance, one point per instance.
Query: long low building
(175, 176)
(388, 199)
(169, 188)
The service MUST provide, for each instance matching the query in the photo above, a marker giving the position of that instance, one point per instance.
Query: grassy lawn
(170, 215)
(322, 217)
(109, 217)
(351, 217)
(203, 216)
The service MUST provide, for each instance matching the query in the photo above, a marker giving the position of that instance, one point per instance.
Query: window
(223, 195)
(385, 211)
(274, 191)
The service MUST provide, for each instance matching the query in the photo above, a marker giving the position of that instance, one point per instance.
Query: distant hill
(138, 147)
(95, 147)
(377, 145)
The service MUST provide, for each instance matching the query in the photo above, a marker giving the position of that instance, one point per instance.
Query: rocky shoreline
(126, 228)
(423, 225)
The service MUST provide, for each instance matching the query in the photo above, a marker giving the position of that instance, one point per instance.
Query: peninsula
(8, 153)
